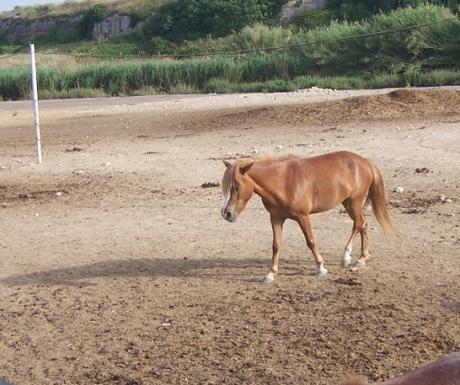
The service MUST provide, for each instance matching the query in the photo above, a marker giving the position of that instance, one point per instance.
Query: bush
(194, 18)
(434, 46)
(357, 10)
(260, 36)
(313, 19)
(58, 35)
(160, 46)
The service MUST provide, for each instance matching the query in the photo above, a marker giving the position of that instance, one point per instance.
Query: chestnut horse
(293, 188)
(445, 371)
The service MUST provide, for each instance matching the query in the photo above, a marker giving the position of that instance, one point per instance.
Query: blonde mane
(228, 178)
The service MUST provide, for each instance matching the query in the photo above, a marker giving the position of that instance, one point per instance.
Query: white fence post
(33, 71)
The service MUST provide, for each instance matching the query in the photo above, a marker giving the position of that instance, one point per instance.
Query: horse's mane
(227, 180)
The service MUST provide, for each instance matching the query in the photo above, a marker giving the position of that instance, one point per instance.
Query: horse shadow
(145, 267)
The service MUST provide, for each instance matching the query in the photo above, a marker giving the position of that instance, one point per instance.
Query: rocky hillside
(32, 22)
(15, 29)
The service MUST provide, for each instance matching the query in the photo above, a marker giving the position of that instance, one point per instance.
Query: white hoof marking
(346, 259)
(321, 272)
(269, 278)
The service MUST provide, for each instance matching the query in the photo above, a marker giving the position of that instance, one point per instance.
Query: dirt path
(116, 268)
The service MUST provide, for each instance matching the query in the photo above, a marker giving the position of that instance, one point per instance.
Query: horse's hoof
(358, 264)
(346, 260)
(269, 278)
(321, 272)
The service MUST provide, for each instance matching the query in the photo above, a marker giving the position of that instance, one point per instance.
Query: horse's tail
(376, 196)
(355, 381)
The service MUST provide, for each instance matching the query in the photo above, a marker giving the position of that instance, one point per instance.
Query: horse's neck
(264, 181)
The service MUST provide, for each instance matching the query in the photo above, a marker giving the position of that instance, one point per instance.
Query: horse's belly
(329, 199)
(322, 208)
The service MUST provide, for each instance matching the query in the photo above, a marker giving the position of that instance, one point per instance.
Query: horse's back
(341, 167)
(337, 158)
(332, 178)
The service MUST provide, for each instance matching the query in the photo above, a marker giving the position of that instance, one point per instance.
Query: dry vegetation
(72, 7)
(68, 62)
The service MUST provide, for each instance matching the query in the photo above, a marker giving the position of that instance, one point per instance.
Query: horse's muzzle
(229, 215)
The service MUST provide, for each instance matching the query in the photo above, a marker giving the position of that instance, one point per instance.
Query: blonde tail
(376, 196)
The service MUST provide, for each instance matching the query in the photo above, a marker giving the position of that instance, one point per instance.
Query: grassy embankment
(426, 56)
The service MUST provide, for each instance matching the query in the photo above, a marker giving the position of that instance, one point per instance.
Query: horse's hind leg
(346, 258)
(354, 208)
(305, 225)
(364, 245)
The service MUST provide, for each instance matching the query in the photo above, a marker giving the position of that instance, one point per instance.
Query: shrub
(194, 18)
(160, 46)
(260, 36)
(433, 46)
(357, 10)
(313, 19)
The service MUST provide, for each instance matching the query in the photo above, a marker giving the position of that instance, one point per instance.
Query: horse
(445, 371)
(293, 187)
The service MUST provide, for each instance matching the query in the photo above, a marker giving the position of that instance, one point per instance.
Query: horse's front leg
(305, 225)
(277, 227)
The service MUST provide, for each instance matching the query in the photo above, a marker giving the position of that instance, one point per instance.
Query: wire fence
(230, 53)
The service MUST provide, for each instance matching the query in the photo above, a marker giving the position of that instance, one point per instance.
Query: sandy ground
(116, 267)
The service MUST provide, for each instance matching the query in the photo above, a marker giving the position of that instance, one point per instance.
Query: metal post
(35, 103)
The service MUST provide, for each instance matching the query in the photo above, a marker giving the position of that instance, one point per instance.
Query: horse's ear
(226, 162)
(245, 165)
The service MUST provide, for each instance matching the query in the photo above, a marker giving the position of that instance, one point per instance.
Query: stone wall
(113, 26)
(14, 29)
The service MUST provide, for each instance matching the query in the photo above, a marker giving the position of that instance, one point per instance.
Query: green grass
(73, 93)
(52, 87)
(114, 48)
(384, 80)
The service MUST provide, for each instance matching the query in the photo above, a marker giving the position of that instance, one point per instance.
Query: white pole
(35, 103)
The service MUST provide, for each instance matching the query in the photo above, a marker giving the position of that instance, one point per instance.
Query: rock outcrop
(113, 26)
(294, 8)
(17, 29)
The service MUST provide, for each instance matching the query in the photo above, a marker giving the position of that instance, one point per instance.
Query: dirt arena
(116, 267)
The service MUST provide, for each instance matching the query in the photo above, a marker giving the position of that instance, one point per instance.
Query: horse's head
(237, 187)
